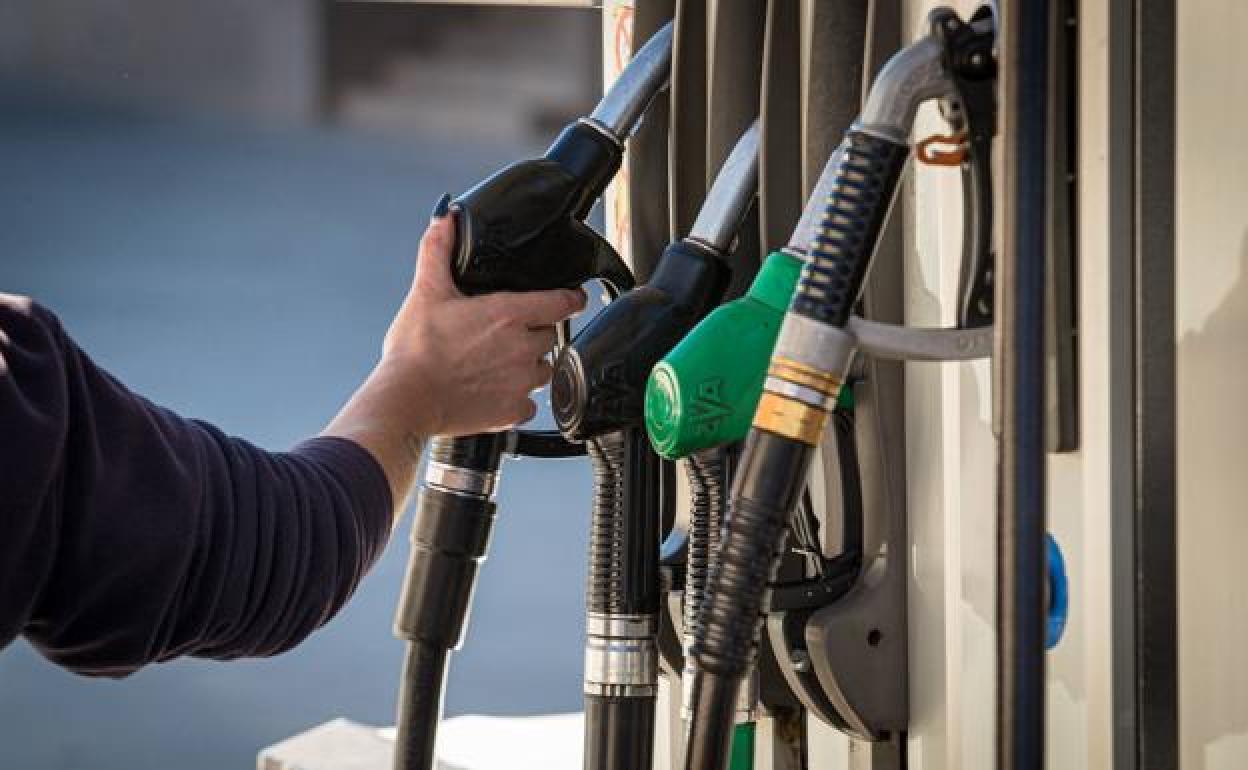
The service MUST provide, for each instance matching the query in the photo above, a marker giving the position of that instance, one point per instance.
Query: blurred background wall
(393, 67)
(260, 59)
(222, 200)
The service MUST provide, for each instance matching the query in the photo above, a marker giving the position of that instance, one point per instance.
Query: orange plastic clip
(924, 152)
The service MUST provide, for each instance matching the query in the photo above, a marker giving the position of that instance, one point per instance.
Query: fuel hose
(621, 663)
(521, 229)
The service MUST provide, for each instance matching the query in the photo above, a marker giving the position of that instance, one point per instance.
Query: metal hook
(926, 155)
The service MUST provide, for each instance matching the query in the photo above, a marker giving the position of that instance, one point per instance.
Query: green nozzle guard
(705, 391)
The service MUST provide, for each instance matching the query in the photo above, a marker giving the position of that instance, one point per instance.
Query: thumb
(433, 264)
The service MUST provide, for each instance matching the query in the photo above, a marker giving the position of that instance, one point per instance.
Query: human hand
(469, 364)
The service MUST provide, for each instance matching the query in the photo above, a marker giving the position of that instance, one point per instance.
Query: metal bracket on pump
(968, 57)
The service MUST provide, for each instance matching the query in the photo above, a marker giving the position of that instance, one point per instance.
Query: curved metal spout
(720, 217)
(648, 72)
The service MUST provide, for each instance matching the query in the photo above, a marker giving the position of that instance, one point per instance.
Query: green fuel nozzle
(704, 392)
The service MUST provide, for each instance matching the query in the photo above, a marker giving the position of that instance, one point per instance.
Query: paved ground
(245, 276)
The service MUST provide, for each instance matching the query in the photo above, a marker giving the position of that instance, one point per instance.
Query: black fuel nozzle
(600, 379)
(522, 229)
(597, 393)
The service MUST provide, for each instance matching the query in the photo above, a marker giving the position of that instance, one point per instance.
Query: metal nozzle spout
(621, 109)
(725, 206)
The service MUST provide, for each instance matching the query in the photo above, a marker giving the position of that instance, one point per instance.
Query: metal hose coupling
(814, 352)
(621, 659)
(450, 533)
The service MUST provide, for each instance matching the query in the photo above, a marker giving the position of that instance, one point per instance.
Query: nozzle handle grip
(521, 229)
(703, 393)
(599, 381)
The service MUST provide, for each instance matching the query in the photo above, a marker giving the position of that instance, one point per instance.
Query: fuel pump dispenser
(521, 229)
(812, 561)
(597, 397)
(699, 402)
(811, 362)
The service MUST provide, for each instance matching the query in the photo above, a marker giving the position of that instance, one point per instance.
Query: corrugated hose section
(605, 590)
(856, 210)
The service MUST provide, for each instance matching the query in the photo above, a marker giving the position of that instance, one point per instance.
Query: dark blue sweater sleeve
(130, 535)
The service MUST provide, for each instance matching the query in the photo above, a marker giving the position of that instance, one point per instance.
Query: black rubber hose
(450, 533)
(619, 733)
(623, 581)
(705, 471)
(753, 538)
(866, 184)
(707, 500)
(605, 589)
(767, 485)
(420, 704)
(623, 541)
(709, 745)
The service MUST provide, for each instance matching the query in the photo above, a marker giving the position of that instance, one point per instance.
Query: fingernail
(443, 205)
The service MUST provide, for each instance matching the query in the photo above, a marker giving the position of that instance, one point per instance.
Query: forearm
(391, 422)
(133, 535)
